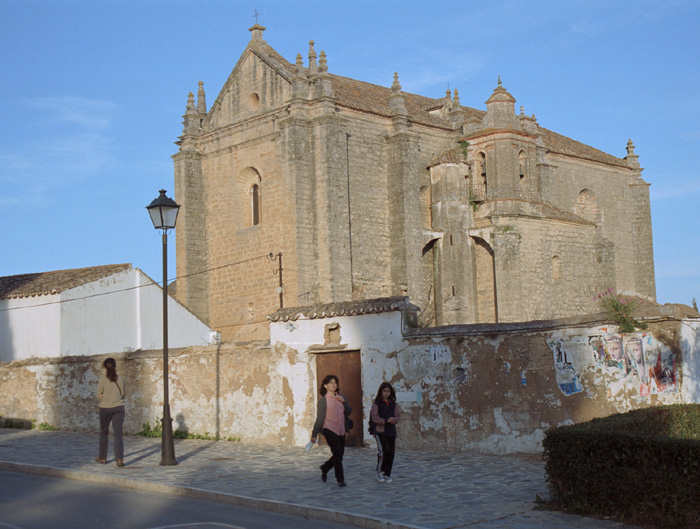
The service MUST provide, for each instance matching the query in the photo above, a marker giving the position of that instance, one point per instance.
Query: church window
(478, 189)
(522, 165)
(556, 268)
(587, 206)
(255, 204)
(254, 101)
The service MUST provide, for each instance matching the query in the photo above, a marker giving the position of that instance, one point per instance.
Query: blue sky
(93, 92)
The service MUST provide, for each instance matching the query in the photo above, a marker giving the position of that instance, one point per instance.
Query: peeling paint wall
(459, 388)
(228, 390)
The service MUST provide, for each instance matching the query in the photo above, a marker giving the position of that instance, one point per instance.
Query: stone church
(300, 187)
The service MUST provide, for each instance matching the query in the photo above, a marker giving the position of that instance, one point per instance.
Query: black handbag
(348, 424)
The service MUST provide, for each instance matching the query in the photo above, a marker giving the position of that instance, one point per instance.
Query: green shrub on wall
(641, 467)
(619, 310)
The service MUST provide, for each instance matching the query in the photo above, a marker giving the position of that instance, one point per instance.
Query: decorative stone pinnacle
(312, 57)
(190, 102)
(522, 110)
(323, 62)
(201, 99)
(632, 158)
(395, 87)
(456, 99)
(499, 81)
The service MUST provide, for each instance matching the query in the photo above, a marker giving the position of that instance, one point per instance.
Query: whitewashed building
(90, 311)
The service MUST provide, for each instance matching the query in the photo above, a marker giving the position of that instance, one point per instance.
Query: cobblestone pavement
(430, 490)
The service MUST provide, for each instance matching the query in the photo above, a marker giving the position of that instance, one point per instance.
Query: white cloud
(75, 146)
(90, 113)
(679, 189)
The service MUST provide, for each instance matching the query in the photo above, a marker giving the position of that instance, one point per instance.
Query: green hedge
(642, 467)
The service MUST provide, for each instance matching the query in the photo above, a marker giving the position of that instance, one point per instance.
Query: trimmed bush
(641, 467)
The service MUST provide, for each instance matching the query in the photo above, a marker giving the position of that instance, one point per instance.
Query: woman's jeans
(116, 417)
(337, 445)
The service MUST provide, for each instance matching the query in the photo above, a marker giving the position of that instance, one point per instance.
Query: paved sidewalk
(432, 491)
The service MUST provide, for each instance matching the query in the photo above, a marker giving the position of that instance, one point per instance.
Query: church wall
(242, 294)
(242, 284)
(541, 296)
(370, 196)
(371, 223)
(613, 210)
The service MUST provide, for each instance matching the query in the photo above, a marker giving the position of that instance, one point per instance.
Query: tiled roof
(373, 98)
(449, 156)
(47, 283)
(563, 145)
(545, 211)
(368, 97)
(344, 308)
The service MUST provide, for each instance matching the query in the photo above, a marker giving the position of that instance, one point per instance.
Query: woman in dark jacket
(331, 412)
(384, 415)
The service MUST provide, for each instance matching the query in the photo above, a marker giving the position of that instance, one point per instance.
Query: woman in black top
(384, 415)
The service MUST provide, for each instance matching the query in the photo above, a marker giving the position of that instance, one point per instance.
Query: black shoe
(342, 484)
(324, 476)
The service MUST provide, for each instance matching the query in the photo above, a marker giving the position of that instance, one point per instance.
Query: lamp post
(163, 212)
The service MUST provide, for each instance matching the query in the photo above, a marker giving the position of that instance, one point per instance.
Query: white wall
(29, 326)
(119, 313)
(375, 335)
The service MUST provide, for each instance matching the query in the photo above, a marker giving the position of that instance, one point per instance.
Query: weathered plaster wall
(233, 391)
(490, 388)
(498, 388)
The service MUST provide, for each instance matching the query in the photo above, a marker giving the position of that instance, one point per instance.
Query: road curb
(202, 494)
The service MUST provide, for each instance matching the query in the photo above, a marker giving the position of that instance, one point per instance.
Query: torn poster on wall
(634, 361)
(566, 367)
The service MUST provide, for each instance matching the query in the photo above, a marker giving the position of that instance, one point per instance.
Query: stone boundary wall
(497, 390)
(230, 390)
(490, 388)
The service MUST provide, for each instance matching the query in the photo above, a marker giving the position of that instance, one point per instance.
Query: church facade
(299, 187)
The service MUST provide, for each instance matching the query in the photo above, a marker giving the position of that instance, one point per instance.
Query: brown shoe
(100, 460)
(120, 462)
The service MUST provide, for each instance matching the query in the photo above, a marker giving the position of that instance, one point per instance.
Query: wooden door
(346, 365)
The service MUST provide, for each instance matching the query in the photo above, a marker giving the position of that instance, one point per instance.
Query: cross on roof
(256, 15)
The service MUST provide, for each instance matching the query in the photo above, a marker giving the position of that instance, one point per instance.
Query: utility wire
(129, 288)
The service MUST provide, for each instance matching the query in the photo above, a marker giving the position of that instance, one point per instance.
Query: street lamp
(163, 212)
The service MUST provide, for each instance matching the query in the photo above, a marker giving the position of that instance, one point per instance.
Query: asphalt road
(29, 501)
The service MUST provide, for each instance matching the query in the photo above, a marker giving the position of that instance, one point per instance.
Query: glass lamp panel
(156, 217)
(169, 215)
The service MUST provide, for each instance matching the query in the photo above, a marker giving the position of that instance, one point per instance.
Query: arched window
(478, 189)
(522, 165)
(255, 204)
(587, 206)
(556, 268)
(248, 198)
